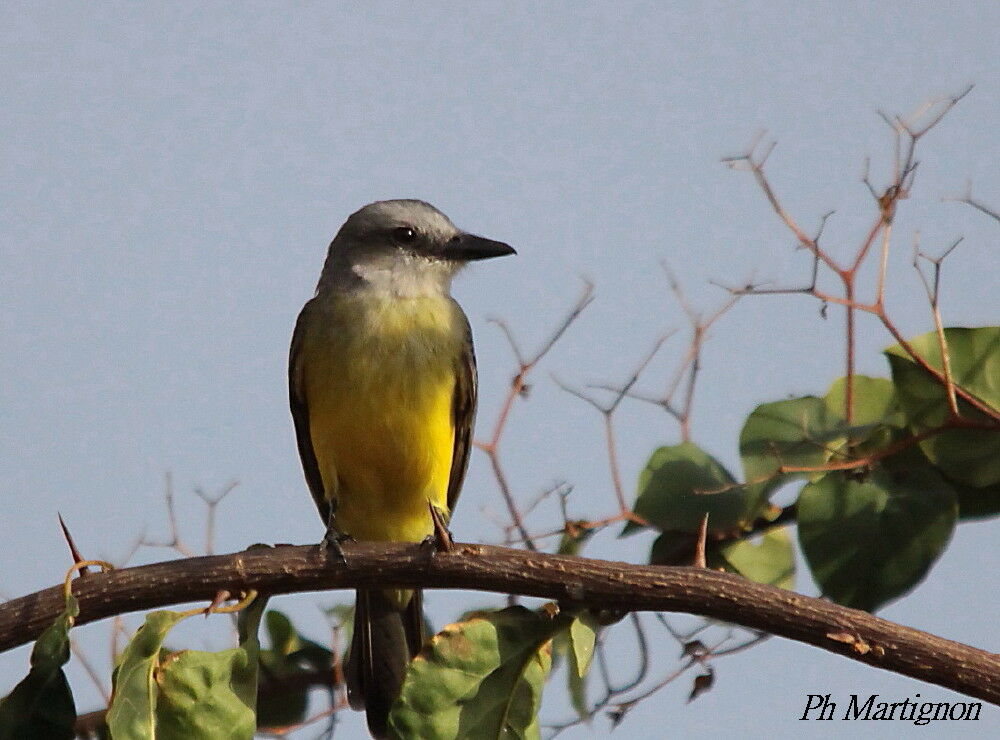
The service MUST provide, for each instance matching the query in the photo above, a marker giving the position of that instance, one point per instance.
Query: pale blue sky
(171, 177)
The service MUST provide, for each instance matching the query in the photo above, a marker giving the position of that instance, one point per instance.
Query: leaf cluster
(884, 477)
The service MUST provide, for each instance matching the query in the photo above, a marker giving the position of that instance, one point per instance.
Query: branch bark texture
(848, 632)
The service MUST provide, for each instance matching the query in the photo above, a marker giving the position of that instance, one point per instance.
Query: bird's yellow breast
(379, 376)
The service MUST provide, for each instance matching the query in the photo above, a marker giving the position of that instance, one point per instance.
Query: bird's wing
(300, 415)
(463, 413)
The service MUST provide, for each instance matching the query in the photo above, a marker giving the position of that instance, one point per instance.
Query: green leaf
(280, 634)
(673, 548)
(132, 713)
(574, 537)
(869, 540)
(41, 705)
(342, 616)
(798, 432)
(680, 484)
(481, 678)
(576, 685)
(197, 699)
(768, 559)
(205, 695)
(290, 654)
(582, 638)
(970, 456)
(977, 503)
(244, 674)
(188, 694)
(874, 401)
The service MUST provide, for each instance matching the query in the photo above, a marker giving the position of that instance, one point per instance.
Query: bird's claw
(332, 541)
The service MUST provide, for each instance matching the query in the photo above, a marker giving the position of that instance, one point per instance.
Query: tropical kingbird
(382, 384)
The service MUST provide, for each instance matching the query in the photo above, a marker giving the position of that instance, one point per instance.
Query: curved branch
(598, 583)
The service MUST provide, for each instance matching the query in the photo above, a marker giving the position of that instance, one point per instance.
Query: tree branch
(597, 583)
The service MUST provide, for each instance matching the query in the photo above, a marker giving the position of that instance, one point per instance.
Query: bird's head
(406, 245)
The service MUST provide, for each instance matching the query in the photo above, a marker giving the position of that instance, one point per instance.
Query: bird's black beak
(468, 247)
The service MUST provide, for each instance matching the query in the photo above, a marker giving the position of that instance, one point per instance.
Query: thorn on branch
(699, 550)
(73, 551)
(694, 649)
(702, 683)
(442, 537)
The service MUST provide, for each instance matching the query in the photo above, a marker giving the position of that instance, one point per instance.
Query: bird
(383, 390)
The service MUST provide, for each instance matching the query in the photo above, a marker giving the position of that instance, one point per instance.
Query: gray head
(405, 246)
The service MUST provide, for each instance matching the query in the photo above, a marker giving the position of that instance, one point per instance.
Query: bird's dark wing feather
(463, 413)
(300, 415)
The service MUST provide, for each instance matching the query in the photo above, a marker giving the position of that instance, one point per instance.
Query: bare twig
(968, 200)
(642, 670)
(212, 504)
(518, 388)
(175, 542)
(933, 290)
(909, 129)
(608, 411)
(690, 365)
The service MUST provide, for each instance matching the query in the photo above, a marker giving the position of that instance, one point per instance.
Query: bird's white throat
(406, 276)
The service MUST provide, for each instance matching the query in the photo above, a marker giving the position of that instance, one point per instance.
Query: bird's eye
(404, 235)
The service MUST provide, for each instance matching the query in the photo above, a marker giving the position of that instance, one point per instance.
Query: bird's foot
(332, 541)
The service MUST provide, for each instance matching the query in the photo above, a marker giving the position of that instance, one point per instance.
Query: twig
(912, 128)
(968, 200)
(608, 411)
(518, 387)
(933, 295)
(175, 542)
(211, 504)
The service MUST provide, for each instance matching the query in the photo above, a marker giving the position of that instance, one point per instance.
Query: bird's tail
(388, 632)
